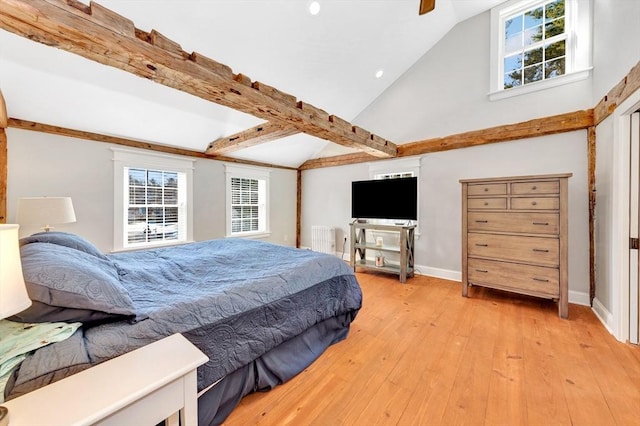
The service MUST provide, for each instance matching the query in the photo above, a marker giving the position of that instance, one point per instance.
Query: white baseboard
(444, 274)
(605, 317)
(579, 298)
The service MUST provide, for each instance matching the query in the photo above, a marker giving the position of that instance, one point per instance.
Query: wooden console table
(405, 248)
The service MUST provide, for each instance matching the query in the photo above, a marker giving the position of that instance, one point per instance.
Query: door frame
(619, 249)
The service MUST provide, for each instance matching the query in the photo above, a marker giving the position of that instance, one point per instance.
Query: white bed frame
(143, 387)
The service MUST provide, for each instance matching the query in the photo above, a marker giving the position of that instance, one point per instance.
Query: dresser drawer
(535, 203)
(487, 203)
(535, 250)
(549, 187)
(527, 223)
(527, 279)
(487, 189)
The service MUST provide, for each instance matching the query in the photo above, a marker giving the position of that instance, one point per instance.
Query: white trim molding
(578, 59)
(248, 172)
(123, 158)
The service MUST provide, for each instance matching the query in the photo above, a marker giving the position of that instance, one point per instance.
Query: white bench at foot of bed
(142, 387)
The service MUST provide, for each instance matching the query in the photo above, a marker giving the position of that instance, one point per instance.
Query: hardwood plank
(619, 389)
(585, 400)
(544, 395)
(110, 39)
(506, 402)
(420, 354)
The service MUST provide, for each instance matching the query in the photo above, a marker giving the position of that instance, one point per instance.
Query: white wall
(438, 249)
(616, 42)
(445, 93)
(40, 164)
(616, 51)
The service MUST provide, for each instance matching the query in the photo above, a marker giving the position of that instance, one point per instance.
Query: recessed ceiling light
(379, 73)
(314, 7)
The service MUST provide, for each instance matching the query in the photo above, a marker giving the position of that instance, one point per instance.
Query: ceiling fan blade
(427, 6)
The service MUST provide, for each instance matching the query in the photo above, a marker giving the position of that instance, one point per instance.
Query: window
(247, 201)
(394, 175)
(153, 205)
(395, 169)
(535, 45)
(152, 200)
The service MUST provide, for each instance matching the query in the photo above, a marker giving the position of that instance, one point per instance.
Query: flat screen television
(385, 199)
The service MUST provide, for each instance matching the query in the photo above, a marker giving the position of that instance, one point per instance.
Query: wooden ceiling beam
(101, 35)
(617, 95)
(259, 134)
(578, 120)
(80, 134)
(4, 118)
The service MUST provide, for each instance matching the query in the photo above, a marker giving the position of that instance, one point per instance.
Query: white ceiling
(328, 60)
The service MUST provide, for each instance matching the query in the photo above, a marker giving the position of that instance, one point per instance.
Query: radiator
(323, 239)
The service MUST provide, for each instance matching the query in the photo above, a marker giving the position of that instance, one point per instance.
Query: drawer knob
(486, 203)
(533, 188)
(486, 190)
(484, 271)
(541, 223)
(482, 221)
(482, 245)
(542, 280)
(533, 203)
(541, 250)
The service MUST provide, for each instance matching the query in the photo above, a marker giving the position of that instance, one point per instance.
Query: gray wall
(445, 93)
(438, 248)
(40, 164)
(616, 51)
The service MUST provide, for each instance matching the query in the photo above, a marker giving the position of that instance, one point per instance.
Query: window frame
(123, 160)
(247, 172)
(398, 167)
(578, 56)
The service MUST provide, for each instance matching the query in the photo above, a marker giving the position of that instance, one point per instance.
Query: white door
(634, 225)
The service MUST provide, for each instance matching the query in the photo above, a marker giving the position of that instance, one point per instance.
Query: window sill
(154, 246)
(251, 235)
(541, 85)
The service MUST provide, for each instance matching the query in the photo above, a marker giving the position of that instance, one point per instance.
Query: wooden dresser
(514, 236)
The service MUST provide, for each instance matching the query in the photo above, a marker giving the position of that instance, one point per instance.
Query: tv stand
(404, 248)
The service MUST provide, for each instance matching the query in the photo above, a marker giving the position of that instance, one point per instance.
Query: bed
(261, 312)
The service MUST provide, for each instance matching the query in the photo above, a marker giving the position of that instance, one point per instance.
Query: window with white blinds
(245, 205)
(247, 201)
(154, 207)
(153, 198)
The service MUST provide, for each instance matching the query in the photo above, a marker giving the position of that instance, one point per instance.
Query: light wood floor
(420, 354)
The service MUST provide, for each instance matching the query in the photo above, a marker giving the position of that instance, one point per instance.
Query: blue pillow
(64, 239)
(60, 279)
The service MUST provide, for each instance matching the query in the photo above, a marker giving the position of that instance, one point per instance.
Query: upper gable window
(535, 45)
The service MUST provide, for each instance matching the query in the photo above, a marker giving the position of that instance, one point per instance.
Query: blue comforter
(235, 299)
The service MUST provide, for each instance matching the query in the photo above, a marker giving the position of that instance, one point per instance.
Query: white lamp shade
(13, 293)
(45, 211)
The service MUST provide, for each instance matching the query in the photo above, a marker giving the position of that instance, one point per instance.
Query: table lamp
(44, 211)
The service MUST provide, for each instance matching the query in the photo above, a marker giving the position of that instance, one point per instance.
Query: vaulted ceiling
(327, 61)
